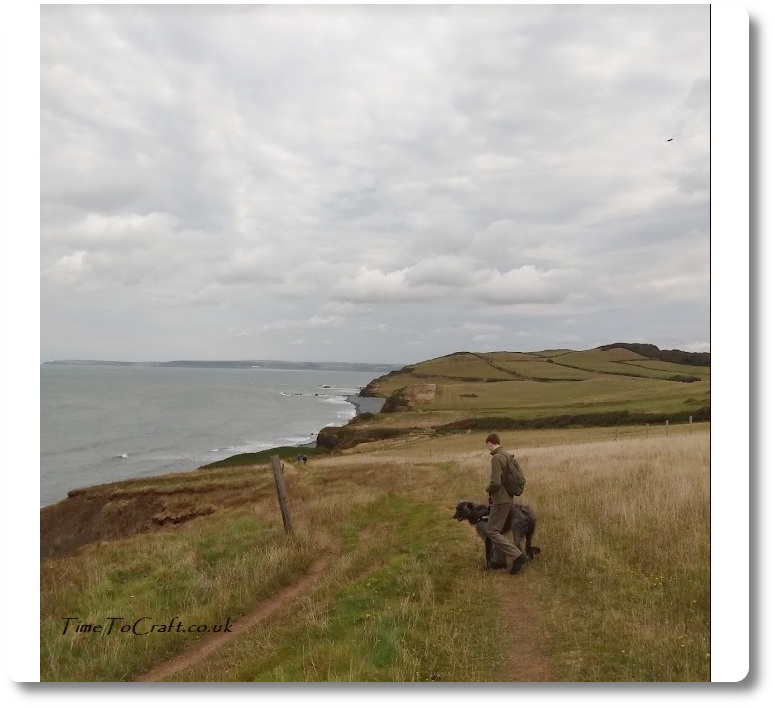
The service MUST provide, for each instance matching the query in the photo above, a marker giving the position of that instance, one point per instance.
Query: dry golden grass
(625, 582)
(620, 591)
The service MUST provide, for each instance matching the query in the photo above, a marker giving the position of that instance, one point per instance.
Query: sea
(102, 423)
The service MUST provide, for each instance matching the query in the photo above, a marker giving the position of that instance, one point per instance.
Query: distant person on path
(501, 505)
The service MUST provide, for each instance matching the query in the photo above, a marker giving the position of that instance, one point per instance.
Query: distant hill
(674, 356)
(239, 364)
(614, 385)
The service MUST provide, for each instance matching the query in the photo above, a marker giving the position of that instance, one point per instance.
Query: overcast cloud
(372, 183)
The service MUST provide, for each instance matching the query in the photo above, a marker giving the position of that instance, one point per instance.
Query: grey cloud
(371, 285)
(450, 271)
(314, 322)
(251, 165)
(260, 264)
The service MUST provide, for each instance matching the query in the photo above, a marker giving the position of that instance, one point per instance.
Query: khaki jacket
(495, 488)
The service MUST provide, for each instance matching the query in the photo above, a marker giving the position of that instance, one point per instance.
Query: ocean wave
(260, 445)
(305, 395)
(293, 441)
(338, 400)
(184, 427)
(243, 448)
(342, 390)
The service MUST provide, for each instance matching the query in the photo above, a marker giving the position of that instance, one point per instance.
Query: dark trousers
(498, 515)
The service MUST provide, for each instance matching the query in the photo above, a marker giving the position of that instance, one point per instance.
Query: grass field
(526, 386)
(619, 593)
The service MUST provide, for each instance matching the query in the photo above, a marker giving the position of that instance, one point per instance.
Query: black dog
(521, 521)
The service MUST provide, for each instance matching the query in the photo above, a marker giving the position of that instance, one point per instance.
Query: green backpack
(513, 479)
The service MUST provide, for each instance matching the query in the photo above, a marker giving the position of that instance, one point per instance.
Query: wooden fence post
(690, 425)
(277, 470)
(667, 428)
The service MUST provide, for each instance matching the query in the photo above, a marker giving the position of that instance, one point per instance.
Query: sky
(372, 183)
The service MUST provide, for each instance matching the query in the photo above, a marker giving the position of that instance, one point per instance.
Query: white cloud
(695, 347)
(478, 329)
(69, 270)
(504, 236)
(528, 285)
(117, 232)
(246, 165)
(447, 271)
(486, 338)
(257, 265)
(371, 285)
(344, 309)
(311, 323)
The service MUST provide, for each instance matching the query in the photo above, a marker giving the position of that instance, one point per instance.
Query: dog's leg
(516, 532)
(518, 538)
(532, 551)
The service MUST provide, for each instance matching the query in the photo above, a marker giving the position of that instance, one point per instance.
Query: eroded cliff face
(344, 437)
(409, 398)
(385, 385)
(113, 511)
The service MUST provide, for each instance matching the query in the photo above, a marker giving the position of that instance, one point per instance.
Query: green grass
(398, 622)
(616, 361)
(175, 483)
(620, 591)
(202, 572)
(467, 365)
(534, 399)
(585, 385)
(246, 459)
(551, 384)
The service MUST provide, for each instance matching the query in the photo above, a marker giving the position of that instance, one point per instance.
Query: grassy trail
(264, 609)
(525, 651)
(516, 646)
(403, 595)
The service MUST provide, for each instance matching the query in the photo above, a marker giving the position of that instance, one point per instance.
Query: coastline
(362, 404)
(365, 404)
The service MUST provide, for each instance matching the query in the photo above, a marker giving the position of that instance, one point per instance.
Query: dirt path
(213, 642)
(526, 658)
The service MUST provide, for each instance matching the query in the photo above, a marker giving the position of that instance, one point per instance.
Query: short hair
(493, 438)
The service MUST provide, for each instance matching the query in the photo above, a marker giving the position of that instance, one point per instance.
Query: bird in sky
(668, 140)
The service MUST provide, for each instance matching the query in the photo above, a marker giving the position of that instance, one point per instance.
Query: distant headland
(238, 364)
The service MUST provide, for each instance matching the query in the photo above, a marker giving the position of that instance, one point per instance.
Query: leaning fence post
(277, 470)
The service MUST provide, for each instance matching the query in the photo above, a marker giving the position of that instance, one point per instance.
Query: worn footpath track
(524, 646)
(213, 642)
